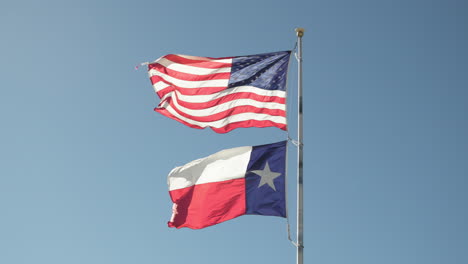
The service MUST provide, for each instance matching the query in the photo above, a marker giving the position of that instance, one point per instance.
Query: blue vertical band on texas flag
(263, 199)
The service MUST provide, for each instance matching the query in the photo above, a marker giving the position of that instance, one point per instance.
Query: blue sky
(84, 159)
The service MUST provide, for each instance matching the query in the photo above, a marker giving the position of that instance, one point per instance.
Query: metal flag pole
(300, 198)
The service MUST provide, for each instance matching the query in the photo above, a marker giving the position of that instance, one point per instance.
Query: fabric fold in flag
(222, 93)
(230, 183)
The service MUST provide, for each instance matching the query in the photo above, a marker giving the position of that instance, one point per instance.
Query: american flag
(222, 93)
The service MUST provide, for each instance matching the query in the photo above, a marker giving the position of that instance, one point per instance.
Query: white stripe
(190, 84)
(159, 86)
(230, 119)
(239, 89)
(225, 165)
(204, 58)
(225, 106)
(190, 69)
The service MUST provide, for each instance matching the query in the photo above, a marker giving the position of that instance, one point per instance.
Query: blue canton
(267, 71)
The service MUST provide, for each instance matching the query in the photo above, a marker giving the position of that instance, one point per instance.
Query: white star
(267, 176)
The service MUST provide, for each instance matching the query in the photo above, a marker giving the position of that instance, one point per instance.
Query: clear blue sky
(84, 159)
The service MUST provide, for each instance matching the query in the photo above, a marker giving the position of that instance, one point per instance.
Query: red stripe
(190, 91)
(197, 63)
(229, 112)
(208, 204)
(232, 97)
(228, 127)
(187, 76)
(249, 123)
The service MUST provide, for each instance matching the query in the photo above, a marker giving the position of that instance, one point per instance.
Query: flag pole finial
(300, 32)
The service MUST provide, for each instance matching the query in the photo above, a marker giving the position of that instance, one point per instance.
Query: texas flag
(230, 183)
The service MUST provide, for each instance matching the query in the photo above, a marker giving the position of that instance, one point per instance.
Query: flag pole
(300, 198)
